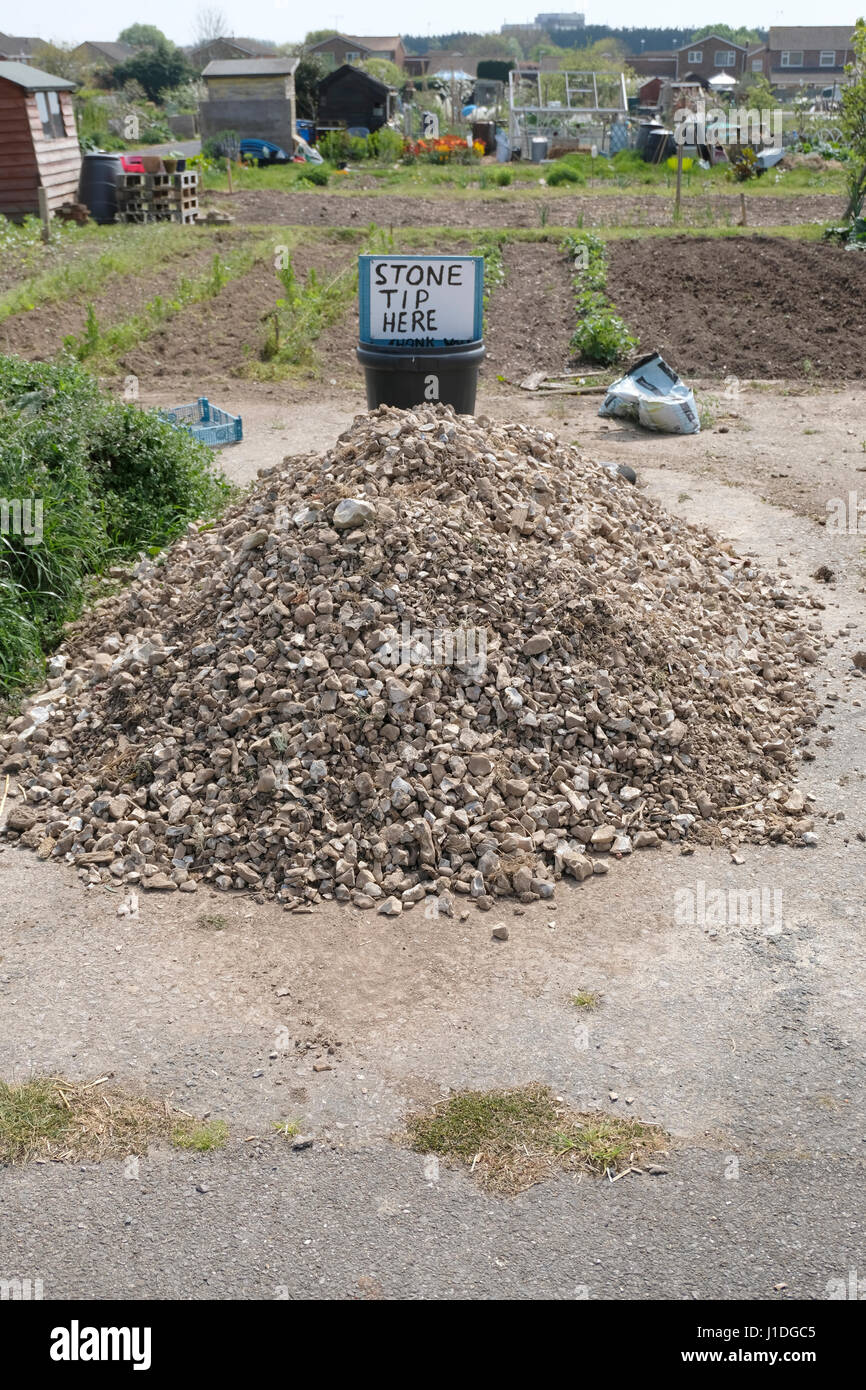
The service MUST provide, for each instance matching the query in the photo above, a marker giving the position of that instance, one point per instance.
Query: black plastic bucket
(97, 185)
(447, 374)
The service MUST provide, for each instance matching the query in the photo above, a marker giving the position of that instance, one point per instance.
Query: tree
(141, 36)
(742, 36)
(157, 69)
(59, 60)
(210, 24)
(308, 74)
(384, 71)
(852, 119)
(318, 36)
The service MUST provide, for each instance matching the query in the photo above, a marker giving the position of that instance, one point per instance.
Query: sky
(285, 20)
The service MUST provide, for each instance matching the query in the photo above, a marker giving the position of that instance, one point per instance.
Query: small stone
(500, 932)
(391, 907)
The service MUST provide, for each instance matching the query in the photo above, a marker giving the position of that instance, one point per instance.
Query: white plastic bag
(653, 395)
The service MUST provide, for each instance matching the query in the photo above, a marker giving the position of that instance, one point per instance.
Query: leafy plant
(109, 479)
(564, 173)
(601, 335)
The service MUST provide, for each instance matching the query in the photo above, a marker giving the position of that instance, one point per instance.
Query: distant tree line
(635, 40)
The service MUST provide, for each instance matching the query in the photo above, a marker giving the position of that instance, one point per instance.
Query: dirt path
(509, 209)
(530, 318)
(233, 1019)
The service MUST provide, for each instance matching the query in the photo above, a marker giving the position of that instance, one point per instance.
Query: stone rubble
(451, 657)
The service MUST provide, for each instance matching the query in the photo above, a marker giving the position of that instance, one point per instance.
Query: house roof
(250, 67)
(807, 36)
(34, 79)
(343, 38)
(117, 52)
(364, 78)
(377, 43)
(15, 43)
(707, 38)
(254, 48)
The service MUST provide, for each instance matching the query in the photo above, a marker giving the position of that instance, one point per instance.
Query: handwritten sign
(420, 301)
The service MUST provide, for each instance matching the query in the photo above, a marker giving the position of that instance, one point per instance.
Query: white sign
(420, 301)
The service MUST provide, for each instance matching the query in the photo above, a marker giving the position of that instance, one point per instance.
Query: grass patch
(289, 1129)
(138, 250)
(586, 999)
(63, 1121)
(200, 1135)
(512, 1139)
(102, 347)
(212, 921)
(302, 312)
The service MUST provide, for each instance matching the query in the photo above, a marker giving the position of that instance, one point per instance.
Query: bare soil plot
(506, 208)
(747, 306)
(40, 332)
(214, 340)
(531, 317)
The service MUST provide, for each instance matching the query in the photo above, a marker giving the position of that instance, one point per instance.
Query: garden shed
(255, 97)
(352, 99)
(38, 139)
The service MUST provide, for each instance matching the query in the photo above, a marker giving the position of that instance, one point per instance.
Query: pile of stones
(450, 657)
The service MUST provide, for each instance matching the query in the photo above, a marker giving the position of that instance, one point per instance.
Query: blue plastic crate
(206, 422)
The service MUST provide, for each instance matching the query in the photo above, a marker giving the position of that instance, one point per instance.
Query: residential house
(253, 96)
(14, 49)
(343, 48)
(38, 139)
(709, 57)
(351, 99)
(804, 55)
(217, 49)
(95, 54)
(659, 63)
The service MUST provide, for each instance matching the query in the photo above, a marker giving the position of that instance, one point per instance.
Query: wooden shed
(38, 139)
(351, 98)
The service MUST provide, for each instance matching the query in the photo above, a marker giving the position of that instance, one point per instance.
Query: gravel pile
(450, 657)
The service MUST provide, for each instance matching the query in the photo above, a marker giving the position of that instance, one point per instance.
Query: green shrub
(318, 174)
(111, 480)
(334, 146)
(386, 145)
(503, 177)
(563, 173)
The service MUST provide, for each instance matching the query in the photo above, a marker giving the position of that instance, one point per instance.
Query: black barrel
(447, 374)
(660, 143)
(97, 185)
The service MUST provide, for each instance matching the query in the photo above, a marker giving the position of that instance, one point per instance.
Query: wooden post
(679, 181)
(742, 209)
(44, 213)
(229, 170)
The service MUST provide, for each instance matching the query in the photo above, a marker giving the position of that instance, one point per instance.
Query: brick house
(806, 55)
(15, 49)
(216, 49)
(344, 48)
(96, 54)
(658, 63)
(710, 56)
